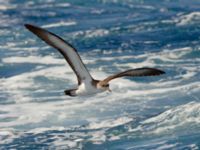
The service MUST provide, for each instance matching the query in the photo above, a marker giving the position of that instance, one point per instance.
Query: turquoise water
(160, 112)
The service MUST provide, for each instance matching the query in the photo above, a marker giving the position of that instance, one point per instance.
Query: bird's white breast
(87, 89)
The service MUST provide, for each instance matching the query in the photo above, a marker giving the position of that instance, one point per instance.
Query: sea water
(161, 112)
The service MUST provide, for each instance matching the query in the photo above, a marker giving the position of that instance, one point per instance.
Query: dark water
(111, 35)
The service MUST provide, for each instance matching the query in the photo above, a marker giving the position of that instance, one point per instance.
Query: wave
(6, 5)
(92, 132)
(32, 59)
(160, 112)
(173, 120)
(184, 19)
(91, 33)
(108, 123)
(191, 18)
(175, 61)
(59, 24)
(7, 136)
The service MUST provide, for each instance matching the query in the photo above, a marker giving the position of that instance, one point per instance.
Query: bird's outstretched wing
(66, 49)
(135, 73)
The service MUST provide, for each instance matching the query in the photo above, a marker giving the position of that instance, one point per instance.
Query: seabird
(86, 83)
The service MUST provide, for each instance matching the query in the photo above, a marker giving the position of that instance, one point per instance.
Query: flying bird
(86, 83)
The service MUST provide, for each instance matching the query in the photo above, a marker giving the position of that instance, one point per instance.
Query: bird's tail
(71, 92)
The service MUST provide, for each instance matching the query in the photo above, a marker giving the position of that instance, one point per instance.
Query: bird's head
(103, 86)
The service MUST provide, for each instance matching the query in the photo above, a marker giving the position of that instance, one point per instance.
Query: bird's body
(86, 84)
(88, 89)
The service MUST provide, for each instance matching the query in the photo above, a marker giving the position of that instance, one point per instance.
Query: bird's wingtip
(29, 26)
(32, 28)
(162, 72)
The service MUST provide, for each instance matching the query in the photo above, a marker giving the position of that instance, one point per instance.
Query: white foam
(101, 112)
(59, 72)
(167, 55)
(7, 135)
(34, 59)
(59, 24)
(194, 146)
(63, 4)
(109, 123)
(2, 7)
(64, 144)
(26, 114)
(64, 72)
(184, 19)
(142, 6)
(40, 130)
(97, 11)
(17, 46)
(7, 6)
(173, 119)
(149, 143)
(91, 33)
(167, 146)
(193, 17)
(35, 5)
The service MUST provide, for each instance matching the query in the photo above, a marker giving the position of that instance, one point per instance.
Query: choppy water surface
(111, 36)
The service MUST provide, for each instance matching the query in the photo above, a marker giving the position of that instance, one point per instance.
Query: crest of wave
(173, 120)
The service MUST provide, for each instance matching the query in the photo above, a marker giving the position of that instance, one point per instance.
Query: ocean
(159, 112)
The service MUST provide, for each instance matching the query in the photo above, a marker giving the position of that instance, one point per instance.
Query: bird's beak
(109, 90)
